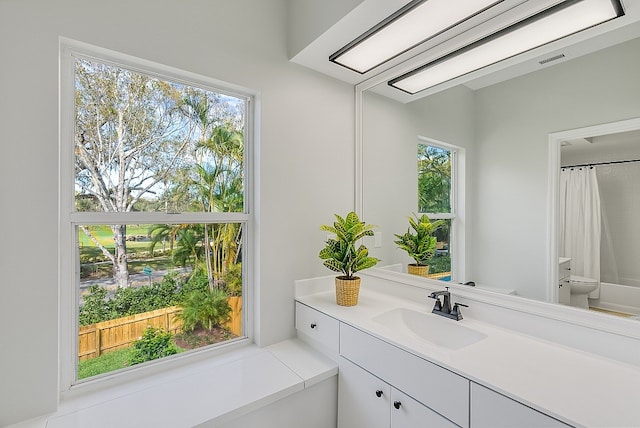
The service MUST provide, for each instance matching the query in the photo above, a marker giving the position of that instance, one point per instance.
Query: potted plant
(340, 255)
(420, 244)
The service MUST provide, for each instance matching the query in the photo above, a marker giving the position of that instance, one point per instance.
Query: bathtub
(619, 298)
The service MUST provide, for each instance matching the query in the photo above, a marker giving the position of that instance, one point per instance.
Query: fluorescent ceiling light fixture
(550, 25)
(415, 23)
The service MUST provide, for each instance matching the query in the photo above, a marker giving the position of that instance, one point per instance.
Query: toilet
(580, 287)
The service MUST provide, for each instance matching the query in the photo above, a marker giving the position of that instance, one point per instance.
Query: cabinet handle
(378, 393)
(313, 325)
(397, 404)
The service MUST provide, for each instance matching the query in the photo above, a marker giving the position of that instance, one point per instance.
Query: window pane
(149, 291)
(434, 179)
(147, 144)
(440, 263)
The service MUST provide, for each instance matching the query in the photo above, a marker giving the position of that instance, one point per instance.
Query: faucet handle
(455, 312)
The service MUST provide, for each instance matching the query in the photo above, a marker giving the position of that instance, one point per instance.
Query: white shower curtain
(580, 221)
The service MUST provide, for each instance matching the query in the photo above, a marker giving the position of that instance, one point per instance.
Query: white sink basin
(431, 328)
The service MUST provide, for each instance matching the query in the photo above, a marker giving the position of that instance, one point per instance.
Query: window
(155, 210)
(437, 192)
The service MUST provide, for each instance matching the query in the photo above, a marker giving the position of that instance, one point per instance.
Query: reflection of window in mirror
(436, 198)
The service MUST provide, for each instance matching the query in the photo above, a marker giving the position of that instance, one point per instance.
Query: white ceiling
(369, 12)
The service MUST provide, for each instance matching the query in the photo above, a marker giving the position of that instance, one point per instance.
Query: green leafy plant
(204, 308)
(233, 279)
(155, 343)
(96, 306)
(420, 244)
(340, 254)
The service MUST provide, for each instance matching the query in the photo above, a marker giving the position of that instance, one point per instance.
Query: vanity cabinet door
(440, 389)
(320, 328)
(364, 401)
(492, 410)
(409, 413)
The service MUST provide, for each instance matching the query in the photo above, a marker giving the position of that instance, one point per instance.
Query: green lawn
(105, 363)
(104, 235)
(108, 362)
(90, 253)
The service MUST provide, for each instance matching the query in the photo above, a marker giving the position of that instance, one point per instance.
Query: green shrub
(172, 290)
(198, 281)
(135, 300)
(438, 264)
(204, 308)
(155, 343)
(96, 307)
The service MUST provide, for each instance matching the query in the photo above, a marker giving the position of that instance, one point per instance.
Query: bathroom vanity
(402, 366)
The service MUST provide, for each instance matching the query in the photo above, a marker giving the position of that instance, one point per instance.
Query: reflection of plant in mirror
(420, 244)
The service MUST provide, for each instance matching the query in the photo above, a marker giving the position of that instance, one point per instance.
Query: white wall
(513, 120)
(306, 131)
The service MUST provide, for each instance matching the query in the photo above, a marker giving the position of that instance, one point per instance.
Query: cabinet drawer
(318, 326)
(492, 410)
(564, 271)
(439, 389)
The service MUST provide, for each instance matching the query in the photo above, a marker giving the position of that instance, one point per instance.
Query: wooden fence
(96, 339)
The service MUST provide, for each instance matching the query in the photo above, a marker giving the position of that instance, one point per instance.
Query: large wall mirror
(504, 131)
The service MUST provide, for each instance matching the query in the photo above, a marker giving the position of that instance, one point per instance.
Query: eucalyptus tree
(142, 142)
(130, 135)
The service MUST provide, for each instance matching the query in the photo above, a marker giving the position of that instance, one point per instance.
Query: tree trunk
(207, 256)
(120, 264)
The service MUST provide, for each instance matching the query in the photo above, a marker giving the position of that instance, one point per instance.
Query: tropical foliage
(340, 254)
(434, 179)
(420, 244)
(205, 309)
(145, 144)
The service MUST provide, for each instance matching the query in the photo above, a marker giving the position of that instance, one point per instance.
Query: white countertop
(252, 378)
(579, 388)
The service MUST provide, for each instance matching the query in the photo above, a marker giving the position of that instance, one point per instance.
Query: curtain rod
(600, 163)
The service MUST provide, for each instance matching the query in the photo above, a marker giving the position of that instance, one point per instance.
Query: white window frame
(457, 198)
(69, 269)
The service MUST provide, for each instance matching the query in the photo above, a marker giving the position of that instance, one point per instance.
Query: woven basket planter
(347, 290)
(419, 270)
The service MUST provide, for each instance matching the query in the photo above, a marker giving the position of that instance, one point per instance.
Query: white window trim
(457, 214)
(68, 267)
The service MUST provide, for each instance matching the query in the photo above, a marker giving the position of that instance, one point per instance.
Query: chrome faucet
(444, 308)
